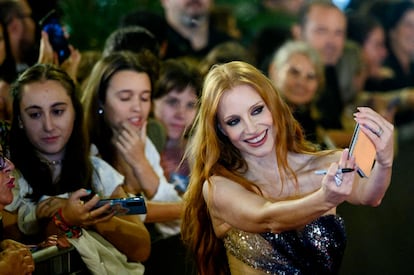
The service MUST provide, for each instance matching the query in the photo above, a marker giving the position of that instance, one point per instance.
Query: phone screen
(51, 25)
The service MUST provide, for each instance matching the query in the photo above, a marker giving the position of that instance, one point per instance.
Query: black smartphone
(125, 206)
(51, 24)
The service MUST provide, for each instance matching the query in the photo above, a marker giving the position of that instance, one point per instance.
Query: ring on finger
(338, 180)
(379, 132)
(90, 216)
(338, 177)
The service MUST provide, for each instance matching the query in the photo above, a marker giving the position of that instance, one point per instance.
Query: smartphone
(362, 148)
(125, 206)
(51, 24)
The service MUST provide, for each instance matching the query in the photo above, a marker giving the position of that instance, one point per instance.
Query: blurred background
(380, 240)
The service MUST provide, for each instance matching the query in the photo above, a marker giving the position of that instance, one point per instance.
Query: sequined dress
(316, 249)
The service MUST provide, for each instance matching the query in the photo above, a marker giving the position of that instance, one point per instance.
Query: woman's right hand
(130, 142)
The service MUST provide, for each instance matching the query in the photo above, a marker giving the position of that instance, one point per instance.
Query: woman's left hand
(380, 132)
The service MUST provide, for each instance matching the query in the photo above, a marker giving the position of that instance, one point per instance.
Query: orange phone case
(362, 148)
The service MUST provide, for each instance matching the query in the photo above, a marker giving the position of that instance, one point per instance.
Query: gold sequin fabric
(316, 249)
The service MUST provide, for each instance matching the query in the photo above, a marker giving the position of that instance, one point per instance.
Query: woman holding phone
(255, 204)
(57, 174)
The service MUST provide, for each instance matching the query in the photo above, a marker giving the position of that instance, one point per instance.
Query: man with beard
(323, 26)
(190, 32)
(21, 29)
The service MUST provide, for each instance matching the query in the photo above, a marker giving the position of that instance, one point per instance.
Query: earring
(20, 124)
(100, 111)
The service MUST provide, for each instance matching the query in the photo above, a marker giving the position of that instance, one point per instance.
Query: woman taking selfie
(255, 204)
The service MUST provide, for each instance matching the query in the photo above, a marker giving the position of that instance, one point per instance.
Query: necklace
(55, 167)
(54, 162)
(50, 163)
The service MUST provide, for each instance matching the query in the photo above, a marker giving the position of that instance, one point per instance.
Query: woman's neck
(261, 163)
(54, 162)
(53, 159)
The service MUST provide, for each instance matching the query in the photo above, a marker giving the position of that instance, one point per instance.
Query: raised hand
(338, 185)
(381, 133)
(130, 142)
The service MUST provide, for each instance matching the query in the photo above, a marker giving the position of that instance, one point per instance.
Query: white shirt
(166, 191)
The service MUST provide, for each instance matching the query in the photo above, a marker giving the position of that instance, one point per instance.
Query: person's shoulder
(101, 166)
(220, 181)
(217, 179)
(150, 147)
(210, 185)
(97, 161)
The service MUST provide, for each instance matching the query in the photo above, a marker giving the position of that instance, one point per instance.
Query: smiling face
(246, 120)
(297, 80)
(47, 116)
(176, 110)
(128, 99)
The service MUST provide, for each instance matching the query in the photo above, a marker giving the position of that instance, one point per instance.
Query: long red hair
(212, 153)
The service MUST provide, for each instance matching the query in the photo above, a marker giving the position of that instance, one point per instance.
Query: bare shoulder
(217, 188)
(216, 182)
